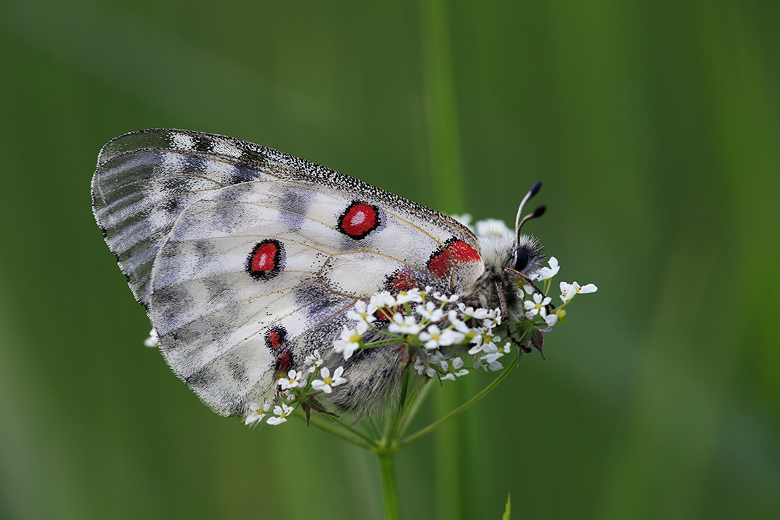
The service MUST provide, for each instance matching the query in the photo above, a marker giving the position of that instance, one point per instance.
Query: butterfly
(248, 259)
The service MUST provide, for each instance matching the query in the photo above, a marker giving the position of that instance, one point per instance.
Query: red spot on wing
(463, 253)
(440, 263)
(359, 220)
(276, 338)
(454, 252)
(266, 260)
(402, 280)
(284, 362)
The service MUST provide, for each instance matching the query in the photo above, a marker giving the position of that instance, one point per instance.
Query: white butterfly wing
(248, 259)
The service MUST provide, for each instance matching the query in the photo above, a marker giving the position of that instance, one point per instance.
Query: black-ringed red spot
(284, 362)
(359, 219)
(266, 260)
(401, 280)
(462, 252)
(276, 338)
(454, 251)
(440, 263)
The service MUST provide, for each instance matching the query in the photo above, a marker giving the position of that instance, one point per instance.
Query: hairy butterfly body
(248, 259)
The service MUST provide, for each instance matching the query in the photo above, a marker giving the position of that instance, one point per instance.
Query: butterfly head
(511, 259)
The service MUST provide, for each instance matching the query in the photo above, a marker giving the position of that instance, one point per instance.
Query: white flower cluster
(425, 321)
(538, 307)
(297, 386)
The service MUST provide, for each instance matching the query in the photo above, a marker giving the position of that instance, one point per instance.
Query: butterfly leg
(505, 312)
(527, 281)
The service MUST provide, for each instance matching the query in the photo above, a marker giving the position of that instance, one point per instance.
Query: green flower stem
(416, 399)
(337, 430)
(465, 406)
(389, 485)
(371, 425)
(391, 424)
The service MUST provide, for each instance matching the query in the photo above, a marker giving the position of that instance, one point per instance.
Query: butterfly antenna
(538, 212)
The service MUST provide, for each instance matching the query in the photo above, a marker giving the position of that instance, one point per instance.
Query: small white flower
(488, 345)
(327, 383)
(431, 337)
(428, 366)
(383, 299)
(282, 412)
(444, 298)
(348, 343)
(291, 381)
(451, 368)
(569, 291)
(383, 302)
(546, 273)
(363, 312)
(420, 366)
(451, 337)
(551, 319)
(529, 289)
(460, 326)
(153, 340)
(482, 340)
(430, 312)
(494, 348)
(412, 295)
(313, 361)
(404, 325)
(475, 349)
(257, 412)
(471, 312)
(489, 323)
(538, 306)
(482, 363)
(435, 338)
(492, 357)
(493, 318)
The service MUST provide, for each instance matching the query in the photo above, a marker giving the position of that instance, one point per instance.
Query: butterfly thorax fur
(498, 252)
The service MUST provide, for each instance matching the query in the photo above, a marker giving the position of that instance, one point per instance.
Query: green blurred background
(655, 127)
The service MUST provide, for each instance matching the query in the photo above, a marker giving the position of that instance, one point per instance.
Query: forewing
(145, 179)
